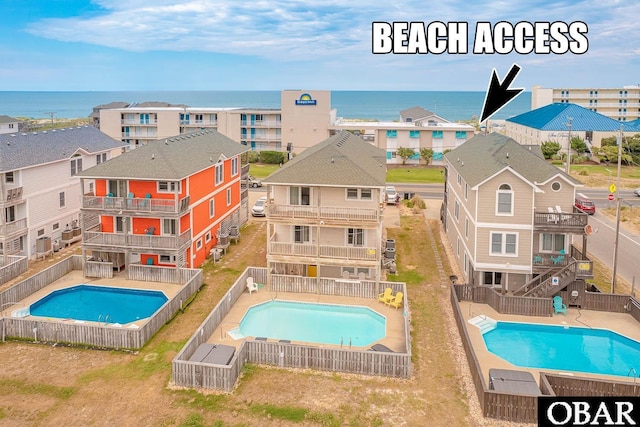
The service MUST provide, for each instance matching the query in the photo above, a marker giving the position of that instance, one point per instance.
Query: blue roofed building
(554, 122)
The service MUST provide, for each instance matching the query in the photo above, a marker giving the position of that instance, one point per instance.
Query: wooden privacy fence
(329, 286)
(15, 266)
(223, 377)
(103, 270)
(505, 304)
(93, 334)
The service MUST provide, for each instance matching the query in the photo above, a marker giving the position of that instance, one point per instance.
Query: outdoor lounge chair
(251, 285)
(396, 301)
(150, 231)
(386, 296)
(559, 306)
(552, 217)
(562, 217)
(149, 261)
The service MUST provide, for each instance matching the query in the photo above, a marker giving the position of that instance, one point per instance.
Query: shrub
(418, 202)
(253, 156)
(583, 172)
(271, 157)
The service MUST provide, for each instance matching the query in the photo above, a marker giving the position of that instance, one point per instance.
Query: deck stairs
(484, 323)
(545, 288)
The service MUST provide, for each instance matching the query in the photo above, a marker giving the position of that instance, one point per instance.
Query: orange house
(163, 203)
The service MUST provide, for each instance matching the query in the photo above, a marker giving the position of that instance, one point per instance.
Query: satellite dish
(588, 230)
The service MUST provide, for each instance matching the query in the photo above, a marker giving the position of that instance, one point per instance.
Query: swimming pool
(564, 348)
(99, 304)
(312, 322)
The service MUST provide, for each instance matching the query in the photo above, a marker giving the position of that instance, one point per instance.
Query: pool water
(318, 323)
(99, 304)
(563, 348)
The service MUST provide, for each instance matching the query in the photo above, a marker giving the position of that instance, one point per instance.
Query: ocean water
(380, 105)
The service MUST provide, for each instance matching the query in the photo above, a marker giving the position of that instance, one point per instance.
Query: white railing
(323, 251)
(15, 226)
(324, 212)
(136, 240)
(135, 204)
(289, 248)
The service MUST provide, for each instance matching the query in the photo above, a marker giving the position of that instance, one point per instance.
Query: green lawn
(259, 170)
(428, 174)
(632, 172)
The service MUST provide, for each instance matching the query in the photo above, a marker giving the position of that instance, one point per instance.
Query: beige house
(324, 213)
(621, 104)
(501, 217)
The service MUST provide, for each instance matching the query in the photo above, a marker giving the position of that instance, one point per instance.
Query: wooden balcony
(543, 262)
(14, 228)
(11, 197)
(96, 240)
(560, 222)
(327, 213)
(135, 204)
(355, 253)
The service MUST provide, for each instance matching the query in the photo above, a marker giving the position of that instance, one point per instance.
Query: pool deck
(394, 339)
(75, 278)
(621, 323)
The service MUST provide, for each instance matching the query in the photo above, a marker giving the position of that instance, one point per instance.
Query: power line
(50, 113)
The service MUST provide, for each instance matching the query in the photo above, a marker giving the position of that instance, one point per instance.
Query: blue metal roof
(556, 117)
(635, 123)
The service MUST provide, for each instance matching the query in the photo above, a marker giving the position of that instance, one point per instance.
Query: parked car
(258, 208)
(253, 182)
(391, 195)
(585, 205)
(637, 192)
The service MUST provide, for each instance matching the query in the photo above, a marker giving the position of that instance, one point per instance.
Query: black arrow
(498, 94)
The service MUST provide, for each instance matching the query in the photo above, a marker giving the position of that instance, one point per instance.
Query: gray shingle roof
(485, 155)
(22, 150)
(8, 119)
(341, 160)
(415, 113)
(171, 159)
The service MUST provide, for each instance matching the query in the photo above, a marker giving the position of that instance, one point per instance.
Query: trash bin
(406, 196)
(390, 243)
(390, 253)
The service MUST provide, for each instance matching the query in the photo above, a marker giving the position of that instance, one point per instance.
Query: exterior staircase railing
(531, 284)
(546, 288)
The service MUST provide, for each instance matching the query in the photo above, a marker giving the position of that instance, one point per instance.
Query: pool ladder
(106, 319)
(635, 374)
(342, 341)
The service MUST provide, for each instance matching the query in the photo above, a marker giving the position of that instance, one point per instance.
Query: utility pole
(569, 146)
(618, 204)
(50, 113)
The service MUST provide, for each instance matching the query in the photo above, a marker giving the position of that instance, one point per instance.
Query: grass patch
(287, 413)
(195, 400)
(260, 170)
(23, 387)
(425, 174)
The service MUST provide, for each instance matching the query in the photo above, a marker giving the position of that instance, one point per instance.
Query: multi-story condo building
(509, 217)
(622, 104)
(166, 203)
(9, 125)
(324, 212)
(304, 119)
(560, 122)
(40, 188)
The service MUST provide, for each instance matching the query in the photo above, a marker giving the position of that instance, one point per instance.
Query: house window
(62, 201)
(355, 236)
(504, 244)
(121, 224)
(504, 200)
(466, 228)
(456, 210)
(436, 134)
(9, 178)
(199, 244)
(207, 237)
(414, 134)
(458, 247)
(76, 166)
(219, 173)
(359, 193)
(91, 187)
(461, 134)
(165, 259)
(492, 278)
(301, 234)
(466, 191)
(56, 226)
(550, 242)
(10, 214)
(392, 134)
(41, 232)
(168, 186)
(459, 179)
(169, 227)
(234, 166)
(212, 208)
(228, 196)
(556, 186)
(101, 158)
(300, 196)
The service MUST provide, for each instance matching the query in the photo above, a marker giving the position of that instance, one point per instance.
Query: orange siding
(201, 183)
(107, 224)
(141, 224)
(144, 259)
(142, 188)
(101, 187)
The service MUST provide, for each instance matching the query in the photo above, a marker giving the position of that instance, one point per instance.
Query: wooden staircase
(545, 288)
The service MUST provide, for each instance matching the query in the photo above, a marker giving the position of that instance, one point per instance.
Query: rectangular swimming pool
(564, 348)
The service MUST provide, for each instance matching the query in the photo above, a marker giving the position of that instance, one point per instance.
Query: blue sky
(281, 44)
